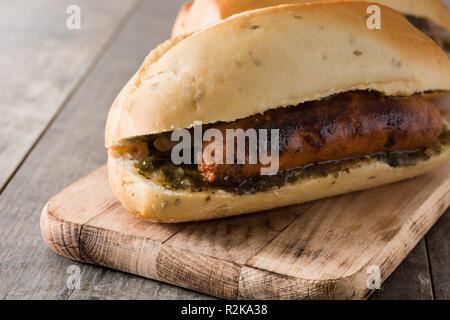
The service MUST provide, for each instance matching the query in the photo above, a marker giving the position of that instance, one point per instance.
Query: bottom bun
(148, 200)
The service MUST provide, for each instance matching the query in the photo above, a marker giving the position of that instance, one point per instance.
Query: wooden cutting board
(326, 249)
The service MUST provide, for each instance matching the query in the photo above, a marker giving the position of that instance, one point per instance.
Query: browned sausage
(341, 126)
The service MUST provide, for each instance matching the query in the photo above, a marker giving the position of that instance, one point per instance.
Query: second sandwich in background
(430, 16)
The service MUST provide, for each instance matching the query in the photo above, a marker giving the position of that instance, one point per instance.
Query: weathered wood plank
(438, 242)
(70, 149)
(42, 63)
(410, 281)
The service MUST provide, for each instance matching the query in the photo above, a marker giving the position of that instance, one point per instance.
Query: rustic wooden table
(56, 88)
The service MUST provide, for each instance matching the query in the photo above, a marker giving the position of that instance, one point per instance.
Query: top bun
(196, 15)
(273, 57)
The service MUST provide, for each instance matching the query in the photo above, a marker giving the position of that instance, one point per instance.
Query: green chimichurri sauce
(160, 169)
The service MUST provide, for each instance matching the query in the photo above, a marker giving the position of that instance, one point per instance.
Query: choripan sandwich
(344, 100)
(430, 16)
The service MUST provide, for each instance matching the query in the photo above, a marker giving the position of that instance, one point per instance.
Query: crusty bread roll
(201, 13)
(256, 61)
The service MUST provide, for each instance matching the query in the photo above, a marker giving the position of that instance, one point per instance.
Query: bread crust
(150, 201)
(274, 57)
(201, 13)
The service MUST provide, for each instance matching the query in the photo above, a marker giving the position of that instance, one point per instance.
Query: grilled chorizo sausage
(342, 126)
